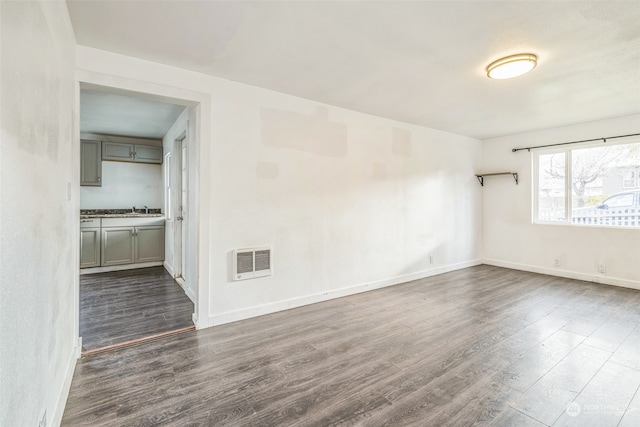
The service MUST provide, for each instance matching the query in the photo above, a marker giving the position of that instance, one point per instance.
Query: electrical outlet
(43, 420)
(602, 268)
(556, 262)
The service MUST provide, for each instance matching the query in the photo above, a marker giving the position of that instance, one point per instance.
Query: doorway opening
(134, 237)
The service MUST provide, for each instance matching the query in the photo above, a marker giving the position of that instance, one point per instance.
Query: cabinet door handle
(99, 178)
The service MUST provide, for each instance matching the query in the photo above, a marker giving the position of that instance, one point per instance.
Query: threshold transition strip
(137, 341)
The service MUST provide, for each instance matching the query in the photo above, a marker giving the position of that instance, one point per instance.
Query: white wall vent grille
(251, 262)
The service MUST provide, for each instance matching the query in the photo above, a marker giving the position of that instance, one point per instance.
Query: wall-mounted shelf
(482, 175)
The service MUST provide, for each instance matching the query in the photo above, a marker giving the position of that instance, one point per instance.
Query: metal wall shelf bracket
(482, 175)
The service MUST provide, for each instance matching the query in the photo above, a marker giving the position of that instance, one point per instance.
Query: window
(588, 185)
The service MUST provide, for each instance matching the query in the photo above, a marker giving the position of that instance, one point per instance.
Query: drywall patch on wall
(265, 170)
(314, 134)
(379, 171)
(401, 142)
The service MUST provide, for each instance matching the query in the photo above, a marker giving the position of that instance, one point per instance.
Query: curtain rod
(574, 142)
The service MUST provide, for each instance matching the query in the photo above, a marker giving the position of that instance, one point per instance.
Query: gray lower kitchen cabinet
(90, 163)
(132, 240)
(117, 246)
(89, 247)
(149, 244)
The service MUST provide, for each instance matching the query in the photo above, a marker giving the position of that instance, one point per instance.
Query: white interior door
(183, 223)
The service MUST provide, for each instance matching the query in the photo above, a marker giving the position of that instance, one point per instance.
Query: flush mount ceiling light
(512, 66)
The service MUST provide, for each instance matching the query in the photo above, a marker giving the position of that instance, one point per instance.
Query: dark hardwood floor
(480, 346)
(126, 305)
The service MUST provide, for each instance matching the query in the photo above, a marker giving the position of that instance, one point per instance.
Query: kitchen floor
(122, 306)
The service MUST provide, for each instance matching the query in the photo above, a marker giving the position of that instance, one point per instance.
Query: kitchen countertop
(120, 213)
(129, 215)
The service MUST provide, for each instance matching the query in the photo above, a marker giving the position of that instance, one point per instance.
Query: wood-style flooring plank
(604, 401)
(547, 399)
(483, 346)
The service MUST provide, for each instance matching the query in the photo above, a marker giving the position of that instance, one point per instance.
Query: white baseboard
(189, 293)
(606, 280)
(56, 419)
(168, 267)
(198, 325)
(93, 270)
(259, 310)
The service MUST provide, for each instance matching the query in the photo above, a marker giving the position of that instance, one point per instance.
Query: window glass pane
(551, 187)
(629, 179)
(603, 183)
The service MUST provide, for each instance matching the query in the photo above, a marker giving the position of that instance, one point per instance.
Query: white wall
(510, 238)
(125, 185)
(39, 212)
(348, 201)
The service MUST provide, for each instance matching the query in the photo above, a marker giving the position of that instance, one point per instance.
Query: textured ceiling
(420, 62)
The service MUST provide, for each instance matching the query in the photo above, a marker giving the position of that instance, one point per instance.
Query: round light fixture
(512, 66)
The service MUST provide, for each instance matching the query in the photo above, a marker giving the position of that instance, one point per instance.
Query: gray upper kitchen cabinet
(117, 151)
(117, 246)
(148, 154)
(124, 152)
(90, 163)
(149, 243)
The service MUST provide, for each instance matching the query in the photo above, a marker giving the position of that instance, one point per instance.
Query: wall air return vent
(252, 262)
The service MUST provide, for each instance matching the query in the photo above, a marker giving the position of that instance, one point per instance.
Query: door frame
(178, 185)
(199, 155)
(180, 236)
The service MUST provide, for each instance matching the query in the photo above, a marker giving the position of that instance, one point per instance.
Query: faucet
(146, 209)
(133, 209)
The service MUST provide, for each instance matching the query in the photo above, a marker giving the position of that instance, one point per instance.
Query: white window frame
(536, 185)
(568, 199)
